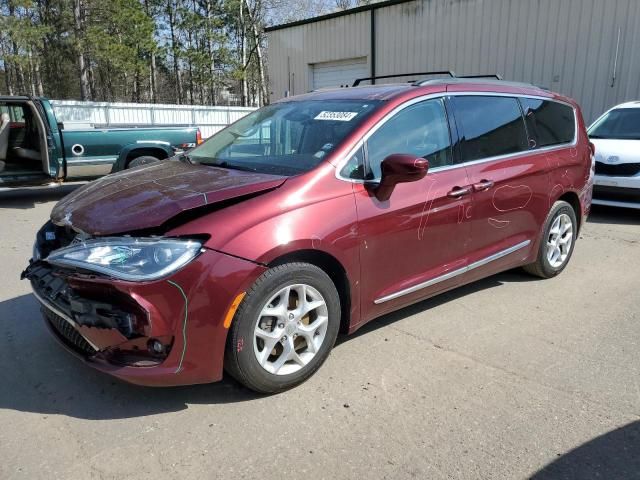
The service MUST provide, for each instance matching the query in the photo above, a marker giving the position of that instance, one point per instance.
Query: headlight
(134, 259)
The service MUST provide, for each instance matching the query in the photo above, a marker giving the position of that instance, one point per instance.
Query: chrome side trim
(453, 273)
(52, 185)
(62, 315)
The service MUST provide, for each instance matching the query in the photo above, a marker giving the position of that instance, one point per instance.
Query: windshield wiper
(185, 157)
(233, 166)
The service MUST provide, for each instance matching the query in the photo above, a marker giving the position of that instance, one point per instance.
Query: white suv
(616, 136)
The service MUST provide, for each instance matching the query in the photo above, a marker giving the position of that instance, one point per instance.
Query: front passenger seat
(4, 138)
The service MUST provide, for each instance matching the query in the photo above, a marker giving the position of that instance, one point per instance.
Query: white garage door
(335, 74)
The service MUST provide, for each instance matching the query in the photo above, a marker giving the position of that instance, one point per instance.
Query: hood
(614, 151)
(147, 197)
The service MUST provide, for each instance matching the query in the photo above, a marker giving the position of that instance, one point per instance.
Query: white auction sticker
(336, 116)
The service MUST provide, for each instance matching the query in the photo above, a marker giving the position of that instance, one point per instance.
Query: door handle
(483, 185)
(458, 192)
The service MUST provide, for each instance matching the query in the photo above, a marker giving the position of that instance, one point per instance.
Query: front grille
(68, 334)
(616, 194)
(619, 170)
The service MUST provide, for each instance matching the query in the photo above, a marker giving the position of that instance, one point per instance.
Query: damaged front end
(155, 324)
(72, 275)
(95, 320)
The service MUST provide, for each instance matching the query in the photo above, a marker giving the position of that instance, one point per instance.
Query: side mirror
(399, 168)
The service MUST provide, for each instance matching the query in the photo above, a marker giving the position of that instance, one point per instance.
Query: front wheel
(284, 329)
(558, 240)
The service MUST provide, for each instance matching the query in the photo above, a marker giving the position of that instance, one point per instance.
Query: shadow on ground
(39, 376)
(612, 456)
(24, 199)
(613, 215)
(511, 276)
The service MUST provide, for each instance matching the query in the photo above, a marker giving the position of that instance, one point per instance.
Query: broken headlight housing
(128, 258)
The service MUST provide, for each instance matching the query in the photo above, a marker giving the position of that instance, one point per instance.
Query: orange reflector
(232, 309)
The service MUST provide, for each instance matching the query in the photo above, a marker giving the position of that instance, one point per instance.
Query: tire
(143, 160)
(307, 339)
(544, 266)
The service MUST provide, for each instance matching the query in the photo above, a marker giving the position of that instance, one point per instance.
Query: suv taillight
(198, 137)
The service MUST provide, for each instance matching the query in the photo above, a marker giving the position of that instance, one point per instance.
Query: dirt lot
(508, 378)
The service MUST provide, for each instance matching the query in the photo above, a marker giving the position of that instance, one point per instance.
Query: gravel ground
(510, 377)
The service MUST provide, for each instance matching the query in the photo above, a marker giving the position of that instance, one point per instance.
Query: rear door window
(489, 126)
(549, 123)
(16, 113)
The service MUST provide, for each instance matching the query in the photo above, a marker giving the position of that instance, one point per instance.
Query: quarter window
(421, 130)
(549, 123)
(491, 126)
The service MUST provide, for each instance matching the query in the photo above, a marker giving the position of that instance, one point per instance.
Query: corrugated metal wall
(566, 45)
(293, 51)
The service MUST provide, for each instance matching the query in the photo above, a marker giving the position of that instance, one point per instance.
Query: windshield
(284, 138)
(620, 124)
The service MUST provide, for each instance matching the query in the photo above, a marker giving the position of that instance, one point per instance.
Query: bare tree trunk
(152, 66)
(38, 79)
(152, 79)
(174, 49)
(19, 75)
(257, 37)
(8, 77)
(212, 68)
(93, 88)
(190, 68)
(243, 49)
(78, 16)
(262, 88)
(32, 83)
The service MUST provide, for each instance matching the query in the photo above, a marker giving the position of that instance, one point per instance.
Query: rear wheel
(143, 160)
(284, 329)
(558, 240)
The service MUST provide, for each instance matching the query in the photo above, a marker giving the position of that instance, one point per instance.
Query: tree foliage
(169, 51)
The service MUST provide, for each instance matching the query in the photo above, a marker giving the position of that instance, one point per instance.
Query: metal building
(586, 49)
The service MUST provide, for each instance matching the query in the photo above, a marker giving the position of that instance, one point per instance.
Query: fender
(160, 147)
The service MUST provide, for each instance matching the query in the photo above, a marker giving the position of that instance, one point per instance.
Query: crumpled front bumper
(92, 315)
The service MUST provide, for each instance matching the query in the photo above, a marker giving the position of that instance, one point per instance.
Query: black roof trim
(342, 13)
(478, 80)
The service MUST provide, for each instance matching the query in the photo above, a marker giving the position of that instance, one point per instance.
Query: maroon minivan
(312, 215)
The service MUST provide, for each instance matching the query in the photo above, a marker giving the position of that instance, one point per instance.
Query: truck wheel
(143, 160)
(284, 329)
(558, 240)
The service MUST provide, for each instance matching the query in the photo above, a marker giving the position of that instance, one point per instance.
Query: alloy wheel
(290, 329)
(559, 240)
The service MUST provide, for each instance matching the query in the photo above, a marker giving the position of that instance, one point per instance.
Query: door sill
(453, 273)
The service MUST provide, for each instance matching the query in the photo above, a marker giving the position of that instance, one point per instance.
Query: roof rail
(450, 73)
(442, 72)
(491, 75)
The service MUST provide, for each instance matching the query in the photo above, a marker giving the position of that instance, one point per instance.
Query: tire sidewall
(558, 208)
(240, 349)
(142, 160)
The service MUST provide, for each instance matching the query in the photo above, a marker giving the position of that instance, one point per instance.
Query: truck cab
(30, 144)
(38, 150)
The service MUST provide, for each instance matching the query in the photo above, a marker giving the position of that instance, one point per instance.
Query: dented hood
(147, 197)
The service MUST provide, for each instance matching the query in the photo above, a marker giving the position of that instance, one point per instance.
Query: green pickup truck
(37, 150)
